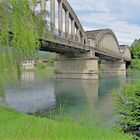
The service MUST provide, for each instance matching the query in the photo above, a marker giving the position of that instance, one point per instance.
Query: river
(43, 95)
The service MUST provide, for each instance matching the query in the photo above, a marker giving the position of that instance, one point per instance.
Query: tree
(135, 51)
(127, 105)
(20, 30)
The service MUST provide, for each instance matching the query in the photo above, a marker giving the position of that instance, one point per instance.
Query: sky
(122, 16)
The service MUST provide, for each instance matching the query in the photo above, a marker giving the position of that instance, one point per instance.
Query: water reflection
(2, 99)
(104, 103)
(32, 95)
(28, 77)
(78, 97)
(88, 96)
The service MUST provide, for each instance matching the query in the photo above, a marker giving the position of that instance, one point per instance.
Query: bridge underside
(113, 67)
(103, 56)
(60, 48)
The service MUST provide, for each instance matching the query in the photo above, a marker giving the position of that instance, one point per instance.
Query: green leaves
(135, 50)
(127, 104)
(25, 29)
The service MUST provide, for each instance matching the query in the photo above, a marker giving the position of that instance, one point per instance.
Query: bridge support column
(76, 68)
(78, 35)
(43, 8)
(73, 29)
(60, 18)
(116, 67)
(52, 14)
(67, 23)
(43, 5)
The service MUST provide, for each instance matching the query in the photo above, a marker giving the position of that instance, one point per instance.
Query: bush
(127, 104)
(135, 64)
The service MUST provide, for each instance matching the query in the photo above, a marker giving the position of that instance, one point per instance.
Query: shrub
(127, 104)
(135, 64)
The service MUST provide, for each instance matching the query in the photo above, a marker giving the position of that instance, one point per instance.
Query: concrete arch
(76, 27)
(74, 16)
(126, 54)
(104, 40)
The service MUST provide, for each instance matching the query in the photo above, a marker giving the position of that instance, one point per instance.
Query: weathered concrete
(43, 4)
(60, 18)
(67, 23)
(125, 51)
(81, 47)
(52, 15)
(77, 68)
(73, 29)
(103, 41)
(117, 67)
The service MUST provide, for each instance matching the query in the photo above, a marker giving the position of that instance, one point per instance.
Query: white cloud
(121, 16)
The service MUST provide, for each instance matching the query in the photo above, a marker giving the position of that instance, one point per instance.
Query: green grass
(18, 126)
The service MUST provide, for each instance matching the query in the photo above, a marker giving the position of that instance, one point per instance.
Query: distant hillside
(136, 42)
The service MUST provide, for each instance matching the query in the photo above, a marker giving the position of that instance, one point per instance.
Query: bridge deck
(62, 45)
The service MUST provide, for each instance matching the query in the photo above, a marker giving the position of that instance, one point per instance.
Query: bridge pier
(76, 68)
(114, 67)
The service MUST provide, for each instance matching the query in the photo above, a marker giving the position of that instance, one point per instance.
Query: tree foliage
(135, 64)
(20, 30)
(127, 104)
(135, 51)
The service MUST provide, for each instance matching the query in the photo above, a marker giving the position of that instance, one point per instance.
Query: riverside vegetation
(19, 33)
(135, 51)
(15, 126)
(127, 103)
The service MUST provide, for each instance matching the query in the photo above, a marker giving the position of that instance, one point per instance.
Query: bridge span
(79, 52)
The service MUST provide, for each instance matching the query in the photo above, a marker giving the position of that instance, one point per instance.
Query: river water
(43, 94)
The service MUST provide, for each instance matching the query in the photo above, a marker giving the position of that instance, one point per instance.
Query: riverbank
(18, 126)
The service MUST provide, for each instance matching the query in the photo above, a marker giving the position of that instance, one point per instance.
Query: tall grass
(18, 126)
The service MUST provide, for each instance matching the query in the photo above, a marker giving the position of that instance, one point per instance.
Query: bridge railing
(66, 35)
(60, 37)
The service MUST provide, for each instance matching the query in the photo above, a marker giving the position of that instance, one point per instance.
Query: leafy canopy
(135, 50)
(20, 30)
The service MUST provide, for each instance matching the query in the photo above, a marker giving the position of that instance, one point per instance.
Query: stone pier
(76, 68)
(114, 67)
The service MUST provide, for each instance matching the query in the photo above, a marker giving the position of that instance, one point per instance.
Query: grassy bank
(18, 126)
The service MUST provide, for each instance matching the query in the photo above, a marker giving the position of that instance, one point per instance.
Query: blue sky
(122, 16)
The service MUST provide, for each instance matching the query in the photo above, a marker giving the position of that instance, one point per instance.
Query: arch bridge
(78, 51)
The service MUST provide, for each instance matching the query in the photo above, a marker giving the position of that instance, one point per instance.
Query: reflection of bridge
(79, 51)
